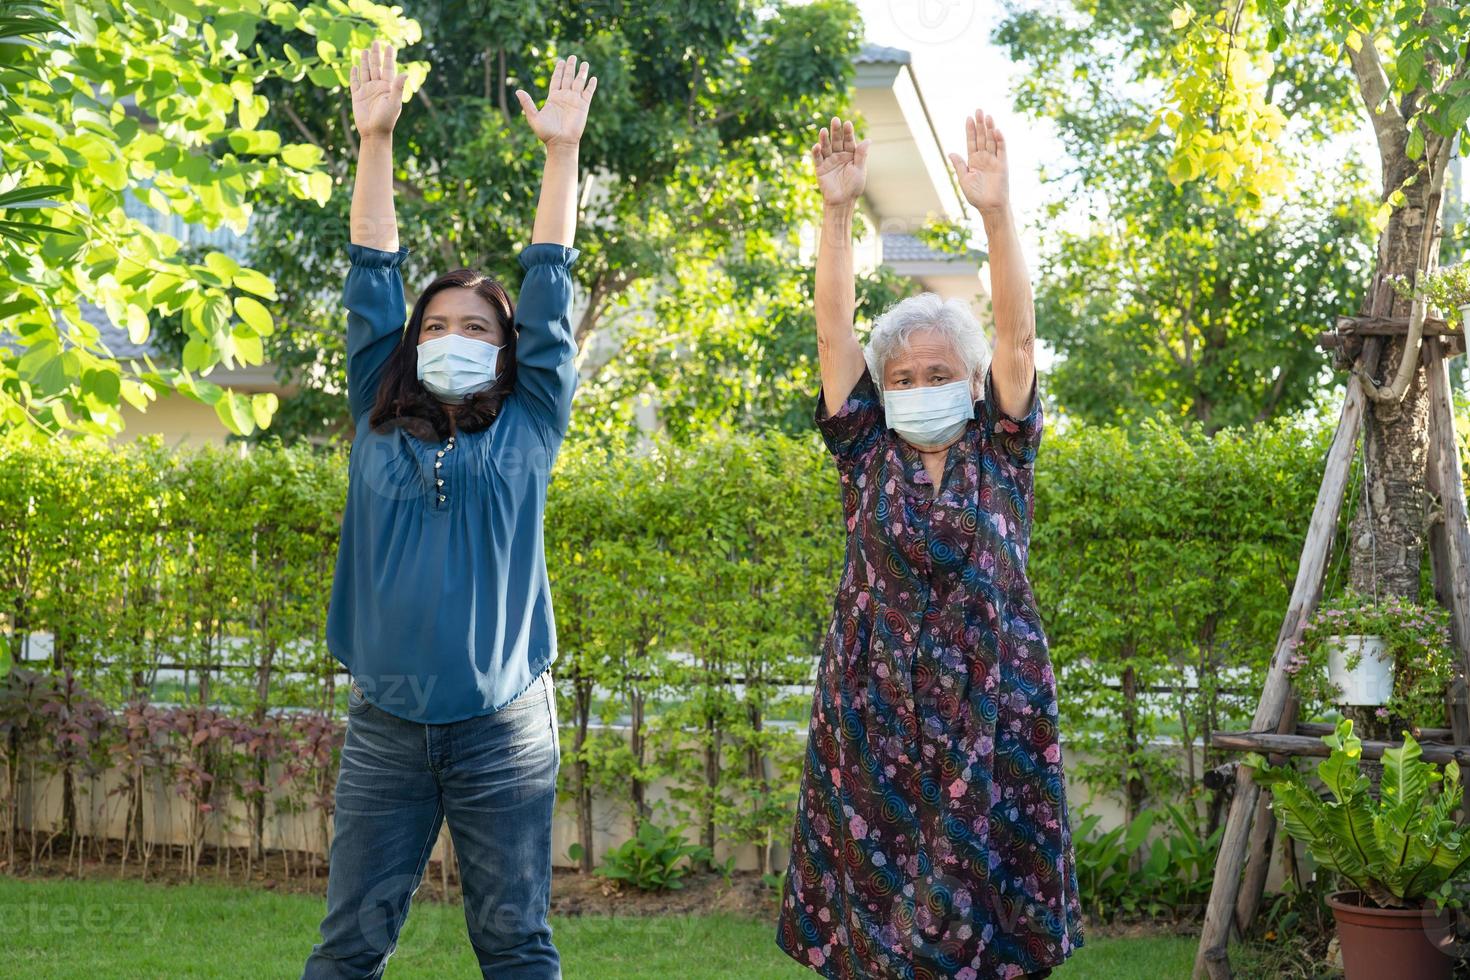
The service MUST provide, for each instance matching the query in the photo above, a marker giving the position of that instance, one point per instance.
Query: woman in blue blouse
(440, 606)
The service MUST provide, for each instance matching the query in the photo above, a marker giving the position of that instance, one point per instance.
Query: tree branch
(347, 130)
(301, 127)
(1388, 122)
(1409, 360)
(500, 69)
(600, 297)
(423, 96)
(1272, 397)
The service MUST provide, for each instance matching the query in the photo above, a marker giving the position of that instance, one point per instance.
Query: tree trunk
(1387, 536)
(582, 699)
(641, 811)
(1133, 785)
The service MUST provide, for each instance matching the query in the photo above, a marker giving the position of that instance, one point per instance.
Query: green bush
(1117, 873)
(693, 586)
(1399, 847)
(653, 859)
(1161, 559)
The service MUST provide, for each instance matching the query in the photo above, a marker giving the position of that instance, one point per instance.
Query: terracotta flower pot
(1392, 944)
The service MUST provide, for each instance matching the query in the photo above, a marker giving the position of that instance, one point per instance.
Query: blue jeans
(493, 778)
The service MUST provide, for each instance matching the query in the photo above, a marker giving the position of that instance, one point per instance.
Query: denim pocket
(357, 702)
(551, 714)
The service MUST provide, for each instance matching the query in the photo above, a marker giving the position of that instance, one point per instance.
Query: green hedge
(692, 588)
(1162, 558)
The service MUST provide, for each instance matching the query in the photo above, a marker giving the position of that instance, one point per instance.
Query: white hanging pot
(1371, 682)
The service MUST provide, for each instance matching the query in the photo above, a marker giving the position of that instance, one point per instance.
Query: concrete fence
(39, 801)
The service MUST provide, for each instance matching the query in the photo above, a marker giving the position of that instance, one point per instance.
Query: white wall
(40, 808)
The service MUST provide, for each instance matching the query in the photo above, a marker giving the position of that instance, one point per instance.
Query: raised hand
(561, 119)
(840, 162)
(984, 173)
(377, 91)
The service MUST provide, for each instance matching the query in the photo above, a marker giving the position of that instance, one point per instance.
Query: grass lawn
(111, 928)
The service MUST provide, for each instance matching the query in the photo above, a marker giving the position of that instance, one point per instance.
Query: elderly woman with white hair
(932, 836)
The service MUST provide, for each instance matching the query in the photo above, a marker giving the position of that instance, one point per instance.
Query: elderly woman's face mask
(930, 416)
(927, 393)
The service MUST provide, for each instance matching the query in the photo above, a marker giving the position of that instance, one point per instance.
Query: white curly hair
(952, 318)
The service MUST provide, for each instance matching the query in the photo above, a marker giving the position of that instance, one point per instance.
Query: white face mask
(931, 416)
(455, 366)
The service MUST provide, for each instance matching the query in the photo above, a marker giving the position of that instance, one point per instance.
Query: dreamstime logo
(1449, 933)
(395, 692)
(378, 914)
(942, 914)
(949, 918)
(932, 21)
(65, 922)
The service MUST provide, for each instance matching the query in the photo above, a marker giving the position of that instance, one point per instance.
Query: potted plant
(1446, 289)
(1391, 653)
(1400, 854)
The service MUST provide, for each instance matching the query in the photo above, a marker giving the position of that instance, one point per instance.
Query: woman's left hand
(561, 119)
(984, 172)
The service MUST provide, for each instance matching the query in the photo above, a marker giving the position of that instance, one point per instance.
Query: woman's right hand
(841, 163)
(377, 91)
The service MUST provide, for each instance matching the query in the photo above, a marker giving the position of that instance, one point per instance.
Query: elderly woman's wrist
(997, 219)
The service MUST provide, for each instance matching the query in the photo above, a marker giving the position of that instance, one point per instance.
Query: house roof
(241, 377)
(116, 338)
(898, 247)
(874, 54)
(909, 178)
(113, 337)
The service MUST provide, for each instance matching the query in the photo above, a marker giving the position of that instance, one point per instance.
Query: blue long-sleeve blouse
(441, 607)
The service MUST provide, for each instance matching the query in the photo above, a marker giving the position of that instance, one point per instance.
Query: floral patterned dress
(932, 836)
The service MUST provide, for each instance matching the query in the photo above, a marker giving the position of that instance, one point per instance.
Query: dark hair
(402, 398)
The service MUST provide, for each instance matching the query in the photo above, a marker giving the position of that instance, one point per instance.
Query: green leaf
(135, 394)
(27, 195)
(247, 348)
(301, 156)
(235, 412)
(138, 327)
(1410, 64)
(253, 282)
(255, 141)
(1415, 146)
(101, 389)
(221, 265)
(1405, 780)
(319, 185)
(43, 367)
(197, 355)
(254, 314)
(263, 408)
(1459, 113)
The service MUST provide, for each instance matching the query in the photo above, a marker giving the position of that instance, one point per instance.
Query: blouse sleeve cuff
(548, 253)
(375, 258)
(863, 395)
(1003, 419)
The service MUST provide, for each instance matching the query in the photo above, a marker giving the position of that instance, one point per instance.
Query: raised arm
(558, 124)
(984, 178)
(840, 162)
(373, 293)
(377, 98)
(546, 347)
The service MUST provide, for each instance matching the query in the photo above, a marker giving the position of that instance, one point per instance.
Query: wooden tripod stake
(1274, 729)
